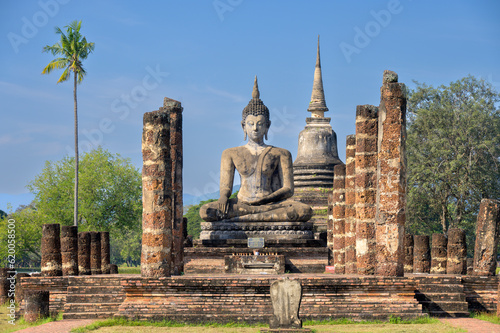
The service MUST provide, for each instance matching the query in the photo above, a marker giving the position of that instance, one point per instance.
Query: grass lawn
(123, 269)
(428, 325)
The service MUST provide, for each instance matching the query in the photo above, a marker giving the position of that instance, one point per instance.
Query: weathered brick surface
(69, 250)
(105, 252)
(481, 292)
(421, 254)
(408, 243)
(391, 177)
(95, 252)
(84, 253)
(176, 153)
(232, 298)
(366, 187)
(337, 207)
(51, 250)
(56, 285)
(439, 254)
(457, 252)
(350, 210)
(156, 254)
(485, 250)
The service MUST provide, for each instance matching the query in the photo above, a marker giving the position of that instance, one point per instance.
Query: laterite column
(156, 254)
(366, 187)
(439, 255)
(95, 253)
(350, 210)
(421, 254)
(51, 250)
(485, 250)
(84, 253)
(69, 249)
(408, 243)
(457, 252)
(36, 305)
(337, 219)
(176, 154)
(105, 252)
(391, 177)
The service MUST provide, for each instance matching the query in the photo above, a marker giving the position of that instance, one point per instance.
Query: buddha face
(256, 127)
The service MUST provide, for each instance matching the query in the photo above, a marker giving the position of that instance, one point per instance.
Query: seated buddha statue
(266, 176)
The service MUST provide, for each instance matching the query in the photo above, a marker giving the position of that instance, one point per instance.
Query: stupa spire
(317, 105)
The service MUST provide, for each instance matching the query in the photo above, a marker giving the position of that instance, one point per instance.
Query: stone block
(286, 295)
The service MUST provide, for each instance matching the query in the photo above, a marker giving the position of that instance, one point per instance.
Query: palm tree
(72, 49)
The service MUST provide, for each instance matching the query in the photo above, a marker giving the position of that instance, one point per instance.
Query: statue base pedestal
(282, 230)
(208, 257)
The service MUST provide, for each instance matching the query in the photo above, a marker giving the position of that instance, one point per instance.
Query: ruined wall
(485, 250)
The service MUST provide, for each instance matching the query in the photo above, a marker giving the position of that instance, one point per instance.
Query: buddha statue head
(258, 111)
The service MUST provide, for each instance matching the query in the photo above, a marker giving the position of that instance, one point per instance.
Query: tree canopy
(453, 154)
(110, 192)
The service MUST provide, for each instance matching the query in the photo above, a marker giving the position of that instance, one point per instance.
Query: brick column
(51, 250)
(105, 252)
(408, 243)
(485, 250)
(156, 256)
(439, 254)
(95, 253)
(350, 211)
(391, 177)
(69, 249)
(366, 187)
(84, 253)
(176, 154)
(421, 254)
(337, 218)
(457, 252)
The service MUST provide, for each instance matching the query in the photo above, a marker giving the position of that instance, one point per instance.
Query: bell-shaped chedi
(316, 156)
(317, 152)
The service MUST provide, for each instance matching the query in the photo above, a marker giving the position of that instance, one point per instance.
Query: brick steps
(93, 297)
(442, 296)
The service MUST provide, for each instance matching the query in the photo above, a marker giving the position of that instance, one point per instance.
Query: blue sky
(206, 54)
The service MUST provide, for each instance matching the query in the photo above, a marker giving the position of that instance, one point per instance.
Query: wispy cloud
(226, 94)
(12, 89)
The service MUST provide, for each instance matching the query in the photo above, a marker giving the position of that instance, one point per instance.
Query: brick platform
(202, 298)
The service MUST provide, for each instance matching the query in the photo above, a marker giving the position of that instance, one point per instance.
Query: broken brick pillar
(350, 210)
(408, 243)
(176, 154)
(84, 253)
(366, 187)
(485, 250)
(336, 220)
(421, 254)
(4, 284)
(105, 252)
(69, 249)
(95, 253)
(156, 254)
(391, 177)
(439, 255)
(457, 252)
(51, 250)
(36, 305)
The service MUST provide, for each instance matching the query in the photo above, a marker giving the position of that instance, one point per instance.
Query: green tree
(73, 48)
(453, 151)
(110, 190)
(25, 227)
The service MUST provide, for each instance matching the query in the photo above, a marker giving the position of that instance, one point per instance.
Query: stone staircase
(441, 295)
(93, 297)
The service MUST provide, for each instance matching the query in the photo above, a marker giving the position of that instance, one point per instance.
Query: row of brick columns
(366, 213)
(65, 251)
(163, 226)
(369, 194)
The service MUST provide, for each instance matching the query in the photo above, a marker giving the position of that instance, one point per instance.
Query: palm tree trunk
(75, 217)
